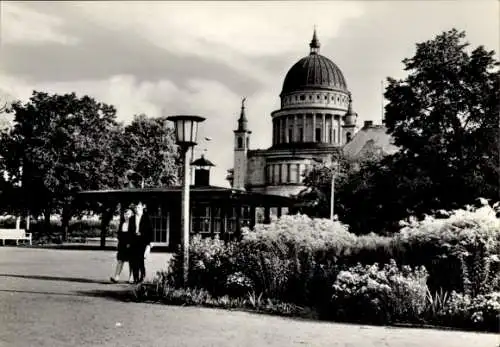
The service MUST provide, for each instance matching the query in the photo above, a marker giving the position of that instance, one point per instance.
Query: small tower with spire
(241, 145)
(349, 125)
(314, 45)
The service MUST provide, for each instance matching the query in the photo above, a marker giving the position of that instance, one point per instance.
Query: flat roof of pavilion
(206, 193)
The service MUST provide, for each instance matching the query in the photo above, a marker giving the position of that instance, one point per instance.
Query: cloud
(249, 28)
(207, 98)
(202, 57)
(23, 26)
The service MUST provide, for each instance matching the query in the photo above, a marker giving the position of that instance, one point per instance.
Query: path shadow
(54, 278)
(124, 295)
(115, 295)
(35, 292)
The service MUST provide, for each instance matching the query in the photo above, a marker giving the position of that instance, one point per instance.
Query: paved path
(62, 298)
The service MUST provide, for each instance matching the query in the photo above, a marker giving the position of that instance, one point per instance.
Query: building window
(245, 216)
(318, 135)
(217, 218)
(248, 142)
(326, 97)
(161, 226)
(301, 134)
(289, 173)
(318, 96)
(310, 97)
(290, 135)
(294, 173)
(200, 220)
(240, 143)
(231, 220)
(302, 97)
(348, 137)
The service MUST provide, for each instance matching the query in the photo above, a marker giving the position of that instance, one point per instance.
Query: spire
(242, 121)
(314, 43)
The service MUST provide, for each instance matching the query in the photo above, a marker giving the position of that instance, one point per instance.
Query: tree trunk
(66, 216)
(46, 225)
(106, 217)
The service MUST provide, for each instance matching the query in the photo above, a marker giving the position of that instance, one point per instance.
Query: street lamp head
(186, 129)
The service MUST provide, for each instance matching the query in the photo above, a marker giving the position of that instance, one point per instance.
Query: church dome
(314, 72)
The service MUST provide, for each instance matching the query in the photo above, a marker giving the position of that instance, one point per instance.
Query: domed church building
(316, 118)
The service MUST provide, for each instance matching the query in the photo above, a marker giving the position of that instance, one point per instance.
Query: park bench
(14, 234)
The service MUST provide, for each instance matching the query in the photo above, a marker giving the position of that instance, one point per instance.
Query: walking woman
(124, 246)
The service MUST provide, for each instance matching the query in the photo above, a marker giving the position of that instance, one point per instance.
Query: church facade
(316, 118)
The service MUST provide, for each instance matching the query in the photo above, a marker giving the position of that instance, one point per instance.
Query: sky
(167, 58)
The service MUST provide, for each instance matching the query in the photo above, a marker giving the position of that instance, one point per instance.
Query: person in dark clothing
(123, 248)
(141, 233)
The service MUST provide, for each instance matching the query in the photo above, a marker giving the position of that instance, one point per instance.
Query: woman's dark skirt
(123, 253)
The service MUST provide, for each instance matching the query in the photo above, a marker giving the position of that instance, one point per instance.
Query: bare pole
(332, 196)
(332, 192)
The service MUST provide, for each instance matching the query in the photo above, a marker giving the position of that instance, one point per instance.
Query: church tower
(241, 144)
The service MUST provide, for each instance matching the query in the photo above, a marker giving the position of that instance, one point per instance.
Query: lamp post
(186, 132)
(332, 193)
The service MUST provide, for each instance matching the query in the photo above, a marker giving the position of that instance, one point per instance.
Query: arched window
(240, 143)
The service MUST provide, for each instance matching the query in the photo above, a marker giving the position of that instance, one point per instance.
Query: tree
(445, 118)
(319, 181)
(60, 145)
(149, 151)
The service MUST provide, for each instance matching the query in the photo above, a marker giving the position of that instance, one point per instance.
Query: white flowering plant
(459, 249)
(480, 313)
(379, 294)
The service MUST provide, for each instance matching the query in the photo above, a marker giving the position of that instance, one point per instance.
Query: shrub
(158, 292)
(210, 264)
(294, 258)
(374, 294)
(238, 285)
(319, 263)
(460, 251)
(480, 313)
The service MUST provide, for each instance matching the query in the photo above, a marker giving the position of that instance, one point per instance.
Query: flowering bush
(238, 285)
(294, 257)
(481, 312)
(460, 251)
(312, 262)
(377, 294)
(210, 262)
